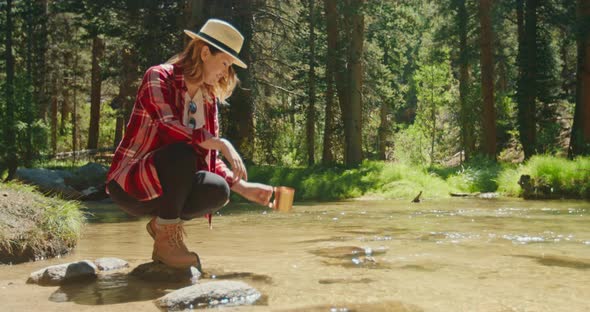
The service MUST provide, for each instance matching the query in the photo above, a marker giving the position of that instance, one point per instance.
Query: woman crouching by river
(167, 164)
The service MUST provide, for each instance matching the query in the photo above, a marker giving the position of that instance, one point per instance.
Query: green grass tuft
(35, 226)
(508, 181)
(63, 219)
(478, 175)
(566, 178)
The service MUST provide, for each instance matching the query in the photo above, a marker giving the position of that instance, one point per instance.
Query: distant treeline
(330, 82)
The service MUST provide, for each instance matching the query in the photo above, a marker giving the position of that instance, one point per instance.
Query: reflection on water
(328, 239)
(111, 289)
(243, 276)
(106, 212)
(391, 306)
(344, 281)
(446, 255)
(120, 287)
(566, 262)
(348, 252)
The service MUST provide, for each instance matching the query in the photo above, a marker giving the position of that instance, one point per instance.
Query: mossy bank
(33, 226)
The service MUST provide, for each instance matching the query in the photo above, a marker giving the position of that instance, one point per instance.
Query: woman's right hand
(237, 165)
(255, 192)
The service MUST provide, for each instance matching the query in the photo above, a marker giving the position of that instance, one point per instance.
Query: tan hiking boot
(169, 247)
(151, 229)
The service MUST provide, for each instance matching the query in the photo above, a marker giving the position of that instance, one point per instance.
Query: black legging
(186, 194)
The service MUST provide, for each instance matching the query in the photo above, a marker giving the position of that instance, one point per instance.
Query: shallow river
(444, 255)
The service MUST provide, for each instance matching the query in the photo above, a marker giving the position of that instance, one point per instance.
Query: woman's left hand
(232, 156)
(254, 192)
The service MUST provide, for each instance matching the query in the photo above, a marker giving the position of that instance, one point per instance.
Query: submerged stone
(560, 261)
(239, 275)
(108, 264)
(387, 306)
(112, 288)
(488, 195)
(209, 295)
(64, 273)
(345, 281)
(159, 272)
(345, 252)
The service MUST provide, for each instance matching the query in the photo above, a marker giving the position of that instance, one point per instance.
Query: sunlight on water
(448, 255)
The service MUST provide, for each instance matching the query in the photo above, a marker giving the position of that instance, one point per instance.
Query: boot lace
(176, 234)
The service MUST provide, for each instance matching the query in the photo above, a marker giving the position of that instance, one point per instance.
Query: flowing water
(443, 255)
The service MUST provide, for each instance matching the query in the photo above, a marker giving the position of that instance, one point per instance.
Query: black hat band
(219, 43)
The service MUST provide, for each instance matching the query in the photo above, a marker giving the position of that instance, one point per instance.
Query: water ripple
(523, 239)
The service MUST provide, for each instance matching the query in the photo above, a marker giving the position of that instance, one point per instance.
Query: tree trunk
(96, 81)
(9, 122)
(353, 126)
(383, 129)
(566, 82)
(65, 110)
(75, 128)
(53, 119)
(487, 79)
(66, 88)
(40, 48)
(580, 136)
(527, 91)
(342, 68)
(310, 115)
(241, 111)
(332, 32)
(228, 9)
(520, 22)
(467, 129)
(29, 107)
(123, 102)
(433, 119)
(194, 17)
(384, 125)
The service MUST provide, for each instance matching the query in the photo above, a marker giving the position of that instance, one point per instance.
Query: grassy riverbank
(567, 179)
(560, 177)
(33, 226)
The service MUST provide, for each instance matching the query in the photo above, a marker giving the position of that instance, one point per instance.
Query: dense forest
(330, 81)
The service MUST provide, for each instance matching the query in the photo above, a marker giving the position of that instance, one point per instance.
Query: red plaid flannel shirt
(156, 121)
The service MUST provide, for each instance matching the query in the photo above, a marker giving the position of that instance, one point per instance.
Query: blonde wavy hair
(192, 66)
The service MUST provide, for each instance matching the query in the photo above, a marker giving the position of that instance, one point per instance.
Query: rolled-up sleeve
(156, 98)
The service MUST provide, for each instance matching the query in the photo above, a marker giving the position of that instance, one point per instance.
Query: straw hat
(223, 36)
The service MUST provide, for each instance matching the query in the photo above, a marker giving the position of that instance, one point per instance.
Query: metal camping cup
(283, 200)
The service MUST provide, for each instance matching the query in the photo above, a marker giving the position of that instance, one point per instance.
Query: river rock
(108, 264)
(48, 181)
(89, 181)
(64, 273)
(156, 271)
(346, 252)
(489, 195)
(459, 194)
(89, 175)
(86, 183)
(211, 295)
